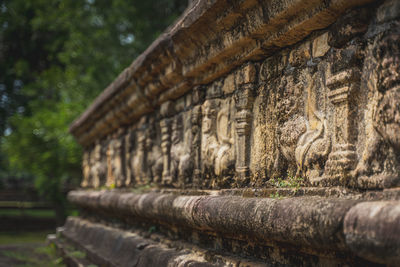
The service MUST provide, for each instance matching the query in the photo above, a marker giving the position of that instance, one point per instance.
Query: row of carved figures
(198, 141)
(210, 144)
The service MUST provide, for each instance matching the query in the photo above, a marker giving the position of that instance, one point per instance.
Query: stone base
(107, 246)
(164, 229)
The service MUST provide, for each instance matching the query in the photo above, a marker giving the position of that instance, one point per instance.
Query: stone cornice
(193, 52)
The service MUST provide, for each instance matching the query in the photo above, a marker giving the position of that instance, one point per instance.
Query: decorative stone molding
(262, 129)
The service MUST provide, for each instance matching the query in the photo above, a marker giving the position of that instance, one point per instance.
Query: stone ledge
(108, 246)
(372, 231)
(313, 222)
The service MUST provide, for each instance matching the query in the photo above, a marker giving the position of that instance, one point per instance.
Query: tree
(55, 57)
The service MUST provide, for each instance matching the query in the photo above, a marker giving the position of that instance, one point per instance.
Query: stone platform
(249, 133)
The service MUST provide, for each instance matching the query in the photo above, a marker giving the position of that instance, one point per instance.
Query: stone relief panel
(326, 109)
(98, 169)
(181, 162)
(130, 143)
(379, 165)
(217, 142)
(138, 158)
(154, 156)
(115, 168)
(86, 169)
(314, 145)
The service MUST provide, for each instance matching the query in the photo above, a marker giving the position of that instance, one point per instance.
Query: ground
(27, 249)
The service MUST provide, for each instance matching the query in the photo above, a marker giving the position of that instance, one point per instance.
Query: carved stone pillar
(343, 158)
(129, 139)
(165, 124)
(196, 143)
(110, 177)
(140, 162)
(86, 168)
(244, 104)
(166, 149)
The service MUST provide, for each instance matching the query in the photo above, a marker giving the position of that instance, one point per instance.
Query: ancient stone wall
(256, 99)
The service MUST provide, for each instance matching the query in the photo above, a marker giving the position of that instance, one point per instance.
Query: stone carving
(97, 169)
(166, 110)
(244, 104)
(110, 178)
(344, 84)
(115, 176)
(138, 159)
(302, 111)
(304, 139)
(86, 169)
(314, 145)
(195, 152)
(291, 124)
(129, 141)
(217, 151)
(379, 166)
(103, 161)
(154, 155)
(181, 163)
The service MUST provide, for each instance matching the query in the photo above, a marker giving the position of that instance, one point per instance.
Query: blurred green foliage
(56, 56)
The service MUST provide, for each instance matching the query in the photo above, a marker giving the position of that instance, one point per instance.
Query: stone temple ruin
(250, 133)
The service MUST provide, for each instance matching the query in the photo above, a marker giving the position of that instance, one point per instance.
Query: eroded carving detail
(244, 104)
(343, 85)
(98, 169)
(217, 152)
(154, 155)
(181, 163)
(166, 110)
(314, 145)
(139, 156)
(379, 166)
(196, 144)
(86, 169)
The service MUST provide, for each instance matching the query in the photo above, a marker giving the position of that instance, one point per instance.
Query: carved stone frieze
(232, 123)
(324, 109)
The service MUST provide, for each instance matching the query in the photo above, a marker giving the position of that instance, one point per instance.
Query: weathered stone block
(320, 45)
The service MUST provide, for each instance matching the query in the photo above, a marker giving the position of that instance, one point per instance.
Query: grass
(44, 256)
(28, 212)
(12, 238)
(22, 204)
(28, 249)
(290, 182)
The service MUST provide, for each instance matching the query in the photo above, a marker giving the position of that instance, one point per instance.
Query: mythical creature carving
(305, 139)
(379, 166)
(217, 139)
(181, 164)
(154, 155)
(314, 146)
